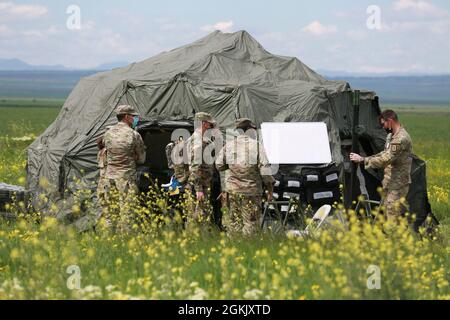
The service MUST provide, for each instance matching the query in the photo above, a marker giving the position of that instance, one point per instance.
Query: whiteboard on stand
(296, 142)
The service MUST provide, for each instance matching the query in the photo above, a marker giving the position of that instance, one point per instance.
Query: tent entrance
(156, 136)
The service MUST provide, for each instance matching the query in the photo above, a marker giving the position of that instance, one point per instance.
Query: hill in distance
(19, 79)
(20, 65)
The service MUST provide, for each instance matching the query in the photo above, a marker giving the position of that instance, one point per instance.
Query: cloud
(356, 35)
(5, 30)
(224, 26)
(25, 11)
(423, 7)
(317, 29)
(336, 48)
(437, 27)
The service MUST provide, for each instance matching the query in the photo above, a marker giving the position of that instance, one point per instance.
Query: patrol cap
(126, 109)
(204, 116)
(242, 122)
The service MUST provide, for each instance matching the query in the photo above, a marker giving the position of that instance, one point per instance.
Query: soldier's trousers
(243, 215)
(122, 195)
(393, 204)
(198, 212)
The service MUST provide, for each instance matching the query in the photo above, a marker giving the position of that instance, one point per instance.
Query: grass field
(169, 264)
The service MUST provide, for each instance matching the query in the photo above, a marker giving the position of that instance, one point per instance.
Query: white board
(296, 142)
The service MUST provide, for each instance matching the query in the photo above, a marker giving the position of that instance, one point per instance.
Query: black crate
(317, 197)
(330, 177)
(311, 178)
(292, 184)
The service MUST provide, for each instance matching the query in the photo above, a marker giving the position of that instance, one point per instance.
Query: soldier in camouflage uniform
(125, 149)
(247, 170)
(200, 170)
(180, 167)
(396, 161)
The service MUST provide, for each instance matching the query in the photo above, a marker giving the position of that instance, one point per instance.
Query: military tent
(229, 75)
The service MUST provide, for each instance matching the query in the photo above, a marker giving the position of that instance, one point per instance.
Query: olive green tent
(229, 75)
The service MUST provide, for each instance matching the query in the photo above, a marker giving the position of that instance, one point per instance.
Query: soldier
(174, 151)
(247, 171)
(396, 161)
(125, 149)
(201, 170)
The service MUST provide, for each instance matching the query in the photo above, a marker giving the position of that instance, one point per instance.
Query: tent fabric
(229, 75)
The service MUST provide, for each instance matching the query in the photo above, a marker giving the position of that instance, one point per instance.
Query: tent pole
(355, 146)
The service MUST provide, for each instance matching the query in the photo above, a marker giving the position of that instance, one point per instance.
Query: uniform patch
(395, 147)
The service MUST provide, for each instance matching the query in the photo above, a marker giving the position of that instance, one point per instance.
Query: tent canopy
(229, 75)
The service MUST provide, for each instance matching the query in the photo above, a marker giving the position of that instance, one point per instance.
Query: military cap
(126, 109)
(243, 121)
(204, 116)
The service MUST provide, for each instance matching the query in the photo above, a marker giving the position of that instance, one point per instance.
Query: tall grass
(169, 263)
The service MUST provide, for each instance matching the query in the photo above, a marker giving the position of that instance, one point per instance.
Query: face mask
(135, 122)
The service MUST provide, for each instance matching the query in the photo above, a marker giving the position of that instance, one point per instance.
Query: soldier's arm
(139, 149)
(220, 162)
(169, 149)
(194, 148)
(384, 158)
(265, 170)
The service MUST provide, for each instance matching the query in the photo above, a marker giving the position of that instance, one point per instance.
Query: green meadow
(37, 260)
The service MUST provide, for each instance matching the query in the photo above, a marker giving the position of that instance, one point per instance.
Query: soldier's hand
(223, 196)
(356, 157)
(200, 196)
(269, 196)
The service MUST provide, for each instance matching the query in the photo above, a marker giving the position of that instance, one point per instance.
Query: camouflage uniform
(125, 149)
(247, 171)
(200, 172)
(180, 166)
(396, 161)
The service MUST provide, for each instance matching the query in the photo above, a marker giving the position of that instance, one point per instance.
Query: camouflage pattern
(396, 161)
(199, 213)
(244, 121)
(394, 202)
(247, 166)
(121, 191)
(125, 148)
(247, 170)
(243, 215)
(200, 179)
(204, 116)
(126, 109)
(169, 149)
(174, 151)
(200, 172)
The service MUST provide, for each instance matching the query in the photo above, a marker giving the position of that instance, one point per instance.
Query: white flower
(199, 294)
(253, 294)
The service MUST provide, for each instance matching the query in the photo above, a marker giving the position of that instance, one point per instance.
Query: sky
(376, 36)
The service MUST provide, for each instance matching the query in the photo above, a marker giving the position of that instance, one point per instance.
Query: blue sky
(413, 35)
